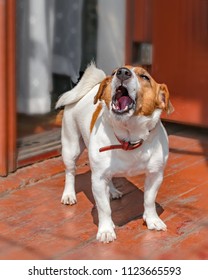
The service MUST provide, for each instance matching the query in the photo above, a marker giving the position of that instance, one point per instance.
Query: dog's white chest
(129, 163)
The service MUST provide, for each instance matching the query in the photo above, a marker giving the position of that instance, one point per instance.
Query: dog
(117, 118)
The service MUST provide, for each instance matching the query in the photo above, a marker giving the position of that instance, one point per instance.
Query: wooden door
(178, 33)
(12, 157)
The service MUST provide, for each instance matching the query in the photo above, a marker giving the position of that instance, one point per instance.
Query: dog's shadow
(125, 209)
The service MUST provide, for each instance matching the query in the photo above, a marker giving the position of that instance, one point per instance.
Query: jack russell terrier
(118, 119)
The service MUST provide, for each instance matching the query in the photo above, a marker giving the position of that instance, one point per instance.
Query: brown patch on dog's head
(163, 101)
(95, 116)
(104, 91)
(151, 95)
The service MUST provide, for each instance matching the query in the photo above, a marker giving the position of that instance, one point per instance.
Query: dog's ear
(101, 89)
(163, 101)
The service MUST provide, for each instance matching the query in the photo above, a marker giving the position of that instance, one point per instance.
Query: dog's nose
(123, 73)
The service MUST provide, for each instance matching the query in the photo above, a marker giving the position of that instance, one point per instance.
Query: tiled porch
(35, 225)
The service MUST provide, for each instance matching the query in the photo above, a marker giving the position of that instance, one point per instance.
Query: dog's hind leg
(72, 147)
(114, 193)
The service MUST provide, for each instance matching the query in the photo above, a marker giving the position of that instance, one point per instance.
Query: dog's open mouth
(121, 101)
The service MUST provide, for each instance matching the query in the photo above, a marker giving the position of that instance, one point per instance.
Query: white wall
(111, 34)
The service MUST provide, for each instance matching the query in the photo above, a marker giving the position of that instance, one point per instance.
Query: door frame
(8, 152)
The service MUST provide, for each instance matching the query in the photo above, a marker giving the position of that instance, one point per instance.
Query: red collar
(124, 145)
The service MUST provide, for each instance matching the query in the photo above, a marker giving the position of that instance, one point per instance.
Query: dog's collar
(124, 145)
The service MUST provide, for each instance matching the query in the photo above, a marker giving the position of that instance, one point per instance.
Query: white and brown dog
(123, 134)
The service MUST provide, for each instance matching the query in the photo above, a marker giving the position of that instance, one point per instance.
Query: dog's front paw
(69, 198)
(155, 222)
(106, 235)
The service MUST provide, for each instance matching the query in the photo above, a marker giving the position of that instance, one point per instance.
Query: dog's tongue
(123, 102)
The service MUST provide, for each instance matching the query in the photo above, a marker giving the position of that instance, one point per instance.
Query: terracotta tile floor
(35, 225)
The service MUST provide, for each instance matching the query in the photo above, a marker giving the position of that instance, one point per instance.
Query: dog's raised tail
(91, 77)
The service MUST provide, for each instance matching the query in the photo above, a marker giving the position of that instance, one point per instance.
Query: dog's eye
(145, 77)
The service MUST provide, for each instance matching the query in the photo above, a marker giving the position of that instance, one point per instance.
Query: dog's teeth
(115, 106)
